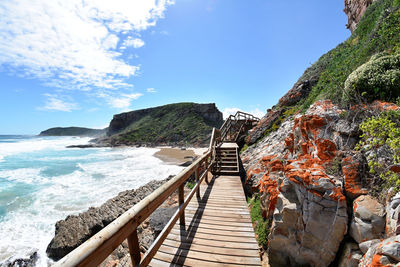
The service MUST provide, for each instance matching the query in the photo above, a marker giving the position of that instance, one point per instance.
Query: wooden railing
(96, 249)
(239, 117)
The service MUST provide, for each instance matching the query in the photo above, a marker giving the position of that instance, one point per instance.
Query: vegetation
(381, 136)
(190, 184)
(261, 225)
(175, 123)
(377, 32)
(72, 131)
(379, 78)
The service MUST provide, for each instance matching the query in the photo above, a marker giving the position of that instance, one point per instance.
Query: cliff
(354, 10)
(72, 131)
(324, 162)
(174, 124)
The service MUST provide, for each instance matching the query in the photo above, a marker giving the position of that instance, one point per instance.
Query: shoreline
(178, 156)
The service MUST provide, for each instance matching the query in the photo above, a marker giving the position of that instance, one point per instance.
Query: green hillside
(181, 123)
(378, 33)
(72, 131)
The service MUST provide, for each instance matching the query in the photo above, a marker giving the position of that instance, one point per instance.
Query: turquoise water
(42, 182)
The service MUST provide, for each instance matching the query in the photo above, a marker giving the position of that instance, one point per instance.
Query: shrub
(379, 78)
(261, 226)
(378, 132)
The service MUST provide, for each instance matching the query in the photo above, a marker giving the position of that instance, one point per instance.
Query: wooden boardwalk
(217, 232)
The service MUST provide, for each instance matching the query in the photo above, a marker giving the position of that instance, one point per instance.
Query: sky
(79, 62)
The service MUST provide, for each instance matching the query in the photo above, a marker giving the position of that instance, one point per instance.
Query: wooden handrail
(96, 249)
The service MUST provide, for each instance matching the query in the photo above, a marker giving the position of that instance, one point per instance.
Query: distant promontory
(72, 131)
(173, 124)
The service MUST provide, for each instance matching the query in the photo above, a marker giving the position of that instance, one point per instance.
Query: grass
(190, 185)
(378, 31)
(175, 123)
(261, 226)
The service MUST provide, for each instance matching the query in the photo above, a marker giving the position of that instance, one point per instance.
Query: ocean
(42, 181)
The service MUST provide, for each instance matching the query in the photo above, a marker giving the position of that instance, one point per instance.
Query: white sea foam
(29, 226)
(24, 175)
(39, 143)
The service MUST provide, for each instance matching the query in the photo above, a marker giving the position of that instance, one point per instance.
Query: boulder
(306, 205)
(351, 255)
(383, 253)
(76, 229)
(368, 220)
(392, 216)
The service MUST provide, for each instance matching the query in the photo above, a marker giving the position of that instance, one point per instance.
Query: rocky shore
(76, 229)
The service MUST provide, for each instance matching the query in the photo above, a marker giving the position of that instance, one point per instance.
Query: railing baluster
(181, 200)
(197, 180)
(134, 249)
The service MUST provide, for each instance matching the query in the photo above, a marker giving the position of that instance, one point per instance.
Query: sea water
(42, 181)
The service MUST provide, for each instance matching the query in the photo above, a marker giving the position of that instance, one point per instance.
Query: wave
(29, 222)
(19, 146)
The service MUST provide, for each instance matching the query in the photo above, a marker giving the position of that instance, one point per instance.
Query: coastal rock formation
(351, 255)
(306, 204)
(354, 10)
(368, 219)
(76, 229)
(384, 252)
(307, 172)
(72, 131)
(174, 124)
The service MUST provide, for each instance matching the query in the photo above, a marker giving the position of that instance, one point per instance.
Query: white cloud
(74, 43)
(136, 43)
(151, 90)
(232, 111)
(122, 101)
(54, 102)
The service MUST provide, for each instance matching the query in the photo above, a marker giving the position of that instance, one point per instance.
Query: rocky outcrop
(306, 204)
(354, 10)
(368, 219)
(72, 131)
(313, 185)
(23, 262)
(392, 216)
(207, 111)
(76, 229)
(384, 252)
(351, 255)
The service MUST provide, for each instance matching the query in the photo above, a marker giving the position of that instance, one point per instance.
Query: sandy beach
(178, 156)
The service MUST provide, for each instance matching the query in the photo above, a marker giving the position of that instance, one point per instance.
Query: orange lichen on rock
(326, 149)
(270, 187)
(381, 106)
(352, 180)
(376, 261)
(289, 142)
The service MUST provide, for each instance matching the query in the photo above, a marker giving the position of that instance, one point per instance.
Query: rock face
(392, 216)
(307, 172)
(382, 253)
(306, 204)
(76, 229)
(351, 255)
(368, 219)
(123, 120)
(354, 10)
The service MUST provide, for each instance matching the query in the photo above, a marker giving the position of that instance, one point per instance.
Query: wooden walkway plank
(218, 230)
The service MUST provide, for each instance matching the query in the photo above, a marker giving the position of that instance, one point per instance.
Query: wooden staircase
(214, 227)
(226, 160)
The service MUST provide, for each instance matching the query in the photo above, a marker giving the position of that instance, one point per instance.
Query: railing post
(197, 180)
(134, 250)
(181, 200)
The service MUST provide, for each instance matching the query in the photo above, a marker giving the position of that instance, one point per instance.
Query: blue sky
(76, 63)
